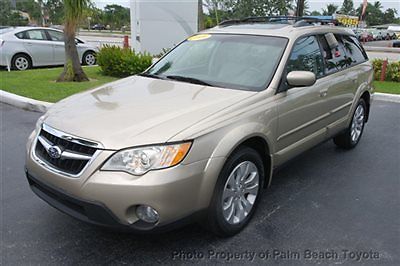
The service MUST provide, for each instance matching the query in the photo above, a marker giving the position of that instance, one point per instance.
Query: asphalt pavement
(328, 206)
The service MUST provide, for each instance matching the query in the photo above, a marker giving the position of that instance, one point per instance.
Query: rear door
(341, 68)
(57, 38)
(39, 46)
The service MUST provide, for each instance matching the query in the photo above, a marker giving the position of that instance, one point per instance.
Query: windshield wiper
(147, 75)
(189, 79)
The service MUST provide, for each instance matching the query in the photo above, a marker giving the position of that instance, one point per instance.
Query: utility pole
(300, 8)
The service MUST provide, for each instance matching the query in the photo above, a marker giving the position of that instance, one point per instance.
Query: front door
(302, 111)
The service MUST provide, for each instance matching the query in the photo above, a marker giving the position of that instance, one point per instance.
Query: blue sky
(314, 4)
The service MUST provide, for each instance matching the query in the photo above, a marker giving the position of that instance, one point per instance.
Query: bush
(118, 62)
(392, 70)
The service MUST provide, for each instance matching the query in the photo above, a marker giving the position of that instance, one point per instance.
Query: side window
(22, 35)
(56, 35)
(306, 56)
(36, 35)
(354, 50)
(335, 58)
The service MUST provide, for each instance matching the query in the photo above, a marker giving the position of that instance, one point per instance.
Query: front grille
(67, 165)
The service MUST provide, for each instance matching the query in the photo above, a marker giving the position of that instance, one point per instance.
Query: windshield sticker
(199, 37)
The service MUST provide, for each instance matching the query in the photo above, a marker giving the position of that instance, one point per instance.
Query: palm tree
(72, 66)
(330, 10)
(378, 5)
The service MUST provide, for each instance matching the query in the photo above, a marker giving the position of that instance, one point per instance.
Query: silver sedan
(22, 48)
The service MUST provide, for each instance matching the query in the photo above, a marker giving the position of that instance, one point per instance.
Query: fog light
(147, 214)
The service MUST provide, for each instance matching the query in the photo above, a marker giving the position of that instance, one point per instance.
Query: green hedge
(392, 70)
(119, 62)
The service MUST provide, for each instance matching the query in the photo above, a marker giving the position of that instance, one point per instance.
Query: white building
(159, 24)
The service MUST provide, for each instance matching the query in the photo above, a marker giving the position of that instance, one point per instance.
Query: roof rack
(293, 20)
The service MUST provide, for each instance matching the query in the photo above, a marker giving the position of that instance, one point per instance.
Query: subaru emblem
(54, 152)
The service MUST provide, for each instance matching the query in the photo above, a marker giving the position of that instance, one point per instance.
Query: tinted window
(35, 35)
(56, 35)
(335, 58)
(306, 56)
(354, 50)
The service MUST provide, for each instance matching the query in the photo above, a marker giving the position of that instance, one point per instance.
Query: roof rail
(295, 21)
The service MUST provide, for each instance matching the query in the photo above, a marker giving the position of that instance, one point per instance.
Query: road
(327, 200)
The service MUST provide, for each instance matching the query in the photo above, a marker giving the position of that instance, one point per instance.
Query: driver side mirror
(301, 78)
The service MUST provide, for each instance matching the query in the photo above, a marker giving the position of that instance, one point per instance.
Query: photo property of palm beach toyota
(199, 131)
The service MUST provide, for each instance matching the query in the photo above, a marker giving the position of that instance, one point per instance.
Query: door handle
(323, 93)
(29, 43)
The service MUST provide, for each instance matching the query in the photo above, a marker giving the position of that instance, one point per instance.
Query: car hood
(138, 111)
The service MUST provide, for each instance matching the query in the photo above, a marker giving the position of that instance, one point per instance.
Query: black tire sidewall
(216, 218)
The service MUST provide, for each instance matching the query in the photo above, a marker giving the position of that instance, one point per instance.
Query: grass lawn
(40, 84)
(387, 87)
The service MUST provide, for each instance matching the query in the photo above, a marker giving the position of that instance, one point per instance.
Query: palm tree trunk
(200, 15)
(72, 68)
(300, 8)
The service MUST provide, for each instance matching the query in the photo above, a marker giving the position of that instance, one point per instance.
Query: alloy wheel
(240, 192)
(21, 63)
(357, 123)
(90, 59)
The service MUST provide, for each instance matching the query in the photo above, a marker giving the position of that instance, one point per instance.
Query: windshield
(243, 62)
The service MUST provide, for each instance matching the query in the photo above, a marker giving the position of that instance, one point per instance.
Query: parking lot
(326, 206)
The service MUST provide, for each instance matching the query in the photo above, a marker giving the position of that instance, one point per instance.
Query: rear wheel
(21, 62)
(352, 135)
(237, 193)
(89, 58)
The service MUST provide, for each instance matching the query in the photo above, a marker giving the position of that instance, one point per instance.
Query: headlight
(139, 161)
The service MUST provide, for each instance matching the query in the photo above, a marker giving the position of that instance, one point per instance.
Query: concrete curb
(23, 102)
(381, 49)
(387, 97)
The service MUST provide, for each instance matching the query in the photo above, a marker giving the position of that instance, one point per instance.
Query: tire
(21, 62)
(352, 135)
(89, 58)
(224, 196)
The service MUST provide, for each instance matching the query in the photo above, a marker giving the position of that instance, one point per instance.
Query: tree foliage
(55, 11)
(330, 10)
(10, 17)
(347, 8)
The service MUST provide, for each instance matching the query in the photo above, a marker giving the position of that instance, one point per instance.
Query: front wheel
(352, 135)
(236, 193)
(89, 58)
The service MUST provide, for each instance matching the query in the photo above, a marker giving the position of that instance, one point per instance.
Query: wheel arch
(249, 136)
(23, 53)
(259, 144)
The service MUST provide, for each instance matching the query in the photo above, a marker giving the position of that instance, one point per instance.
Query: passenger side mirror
(301, 78)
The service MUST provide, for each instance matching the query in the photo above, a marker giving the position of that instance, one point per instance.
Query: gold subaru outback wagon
(199, 133)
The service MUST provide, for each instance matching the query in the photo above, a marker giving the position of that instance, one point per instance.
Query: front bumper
(111, 198)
